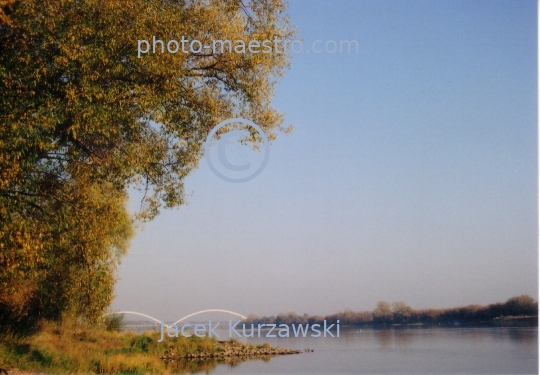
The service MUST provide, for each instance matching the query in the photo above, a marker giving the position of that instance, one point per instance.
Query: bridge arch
(211, 310)
(179, 320)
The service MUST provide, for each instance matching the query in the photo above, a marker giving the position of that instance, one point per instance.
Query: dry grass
(74, 348)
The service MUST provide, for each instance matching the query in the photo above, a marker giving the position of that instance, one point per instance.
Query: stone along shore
(231, 349)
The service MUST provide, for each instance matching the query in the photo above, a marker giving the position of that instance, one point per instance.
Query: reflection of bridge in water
(184, 319)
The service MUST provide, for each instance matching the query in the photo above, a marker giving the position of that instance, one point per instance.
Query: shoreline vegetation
(522, 307)
(72, 346)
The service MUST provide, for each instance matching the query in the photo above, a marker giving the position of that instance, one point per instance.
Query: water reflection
(384, 337)
(405, 336)
(193, 366)
(406, 350)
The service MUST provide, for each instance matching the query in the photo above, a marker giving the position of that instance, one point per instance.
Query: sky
(410, 175)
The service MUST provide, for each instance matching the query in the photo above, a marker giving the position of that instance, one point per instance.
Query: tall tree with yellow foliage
(82, 118)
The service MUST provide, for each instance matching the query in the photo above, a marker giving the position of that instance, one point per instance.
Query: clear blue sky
(411, 174)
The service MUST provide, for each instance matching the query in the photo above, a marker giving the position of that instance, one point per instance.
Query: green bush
(114, 323)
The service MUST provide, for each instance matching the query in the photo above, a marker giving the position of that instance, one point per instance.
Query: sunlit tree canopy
(83, 118)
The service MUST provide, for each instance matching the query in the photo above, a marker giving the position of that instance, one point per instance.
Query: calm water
(488, 350)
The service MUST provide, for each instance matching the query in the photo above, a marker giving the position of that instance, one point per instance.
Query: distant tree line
(400, 313)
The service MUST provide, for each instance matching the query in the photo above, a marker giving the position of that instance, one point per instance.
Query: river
(471, 350)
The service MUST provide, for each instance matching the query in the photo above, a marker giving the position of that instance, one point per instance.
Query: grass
(69, 347)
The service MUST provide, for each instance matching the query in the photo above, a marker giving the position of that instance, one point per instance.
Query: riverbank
(76, 348)
(232, 349)
(506, 321)
(385, 314)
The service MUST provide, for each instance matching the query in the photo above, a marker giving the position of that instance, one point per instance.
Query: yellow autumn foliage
(83, 118)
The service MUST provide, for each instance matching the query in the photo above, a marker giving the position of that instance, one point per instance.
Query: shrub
(114, 323)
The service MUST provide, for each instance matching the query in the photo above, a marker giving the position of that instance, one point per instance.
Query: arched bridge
(179, 320)
(211, 310)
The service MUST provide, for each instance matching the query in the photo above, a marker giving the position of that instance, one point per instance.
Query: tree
(5, 9)
(521, 305)
(75, 96)
(82, 118)
(402, 313)
(79, 242)
(382, 313)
